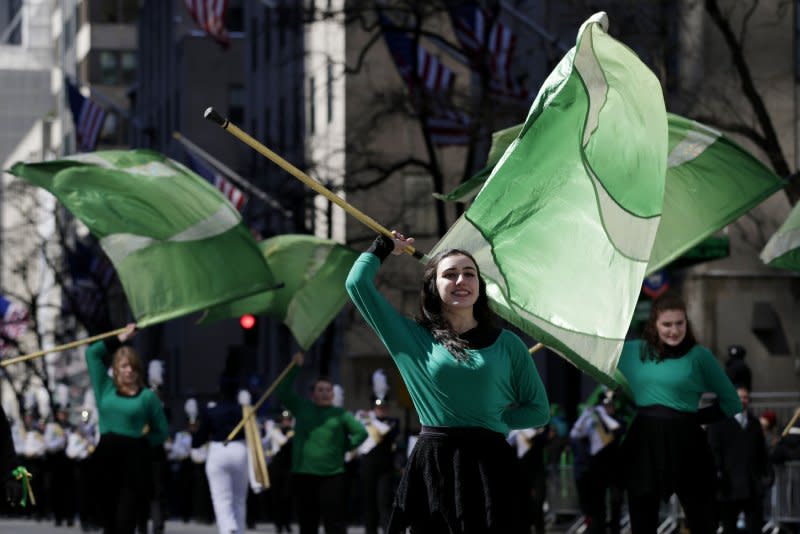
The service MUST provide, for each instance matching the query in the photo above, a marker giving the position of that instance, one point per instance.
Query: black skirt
(124, 462)
(458, 481)
(664, 451)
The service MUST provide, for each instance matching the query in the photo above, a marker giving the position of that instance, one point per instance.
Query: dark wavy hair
(430, 306)
(653, 348)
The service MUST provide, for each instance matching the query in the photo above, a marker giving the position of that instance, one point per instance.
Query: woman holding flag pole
(470, 384)
(132, 421)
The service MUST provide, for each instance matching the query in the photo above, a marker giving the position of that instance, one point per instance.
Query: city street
(24, 526)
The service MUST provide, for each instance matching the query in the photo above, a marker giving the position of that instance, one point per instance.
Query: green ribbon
(20, 473)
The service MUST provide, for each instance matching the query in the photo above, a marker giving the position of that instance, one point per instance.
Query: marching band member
(279, 451)
(226, 464)
(377, 457)
(59, 467)
(323, 434)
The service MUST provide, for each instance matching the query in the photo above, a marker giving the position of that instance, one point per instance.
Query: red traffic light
(247, 321)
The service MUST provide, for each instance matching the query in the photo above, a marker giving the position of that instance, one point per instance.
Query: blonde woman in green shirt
(131, 421)
(470, 382)
(666, 450)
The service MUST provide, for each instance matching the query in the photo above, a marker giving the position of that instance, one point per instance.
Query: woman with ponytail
(470, 382)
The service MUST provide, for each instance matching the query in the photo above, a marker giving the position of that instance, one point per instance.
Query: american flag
(446, 125)
(92, 275)
(496, 47)
(14, 323)
(210, 15)
(235, 196)
(88, 116)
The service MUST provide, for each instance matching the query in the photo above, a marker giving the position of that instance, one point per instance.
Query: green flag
(313, 272)
(711, 181)
(563, 227)
(177, 245)
(783, 248)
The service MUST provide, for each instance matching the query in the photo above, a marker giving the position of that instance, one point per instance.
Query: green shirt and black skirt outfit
(457, 477)
(666, 450)
(129, 427)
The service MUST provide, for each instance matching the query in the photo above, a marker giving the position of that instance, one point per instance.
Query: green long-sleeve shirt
(121, 414)
(677, 383)
(321, 434)
(498, 388)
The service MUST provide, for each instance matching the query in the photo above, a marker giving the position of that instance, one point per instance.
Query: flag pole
(60, 348)
(791, 423)
(536, 348)
(260, 401)
(212, 115)
(245, 184)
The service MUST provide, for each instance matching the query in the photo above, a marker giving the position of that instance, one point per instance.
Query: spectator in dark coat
(740, 454)
(736, 368)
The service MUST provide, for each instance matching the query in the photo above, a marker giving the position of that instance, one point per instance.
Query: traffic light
(249, 326)
(247, 321)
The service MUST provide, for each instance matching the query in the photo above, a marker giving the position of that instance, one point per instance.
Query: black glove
(382, 247)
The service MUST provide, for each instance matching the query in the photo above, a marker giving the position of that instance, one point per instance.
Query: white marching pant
(226, 469)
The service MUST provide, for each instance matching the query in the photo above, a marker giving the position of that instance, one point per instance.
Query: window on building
(329, 90)
(128, 67)
(311, 106)
(109, 67)
(236, 103)
(113, 11)
(15, 37)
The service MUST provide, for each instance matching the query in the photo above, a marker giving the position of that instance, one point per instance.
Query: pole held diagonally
(252, 410)
(61, 348)
(371, 223)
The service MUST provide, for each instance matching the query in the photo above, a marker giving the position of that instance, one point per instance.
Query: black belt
(664, 412)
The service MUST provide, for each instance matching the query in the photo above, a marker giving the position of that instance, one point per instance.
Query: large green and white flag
(177, 245)
(711, 181)
(563, 228)
(783, 248)
(313, 272)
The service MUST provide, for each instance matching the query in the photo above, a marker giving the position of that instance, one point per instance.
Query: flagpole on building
(549, 37)
(61, 348)
(212, 115)
(255, 191)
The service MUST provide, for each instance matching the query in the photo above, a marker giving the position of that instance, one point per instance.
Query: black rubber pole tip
(212, 115)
